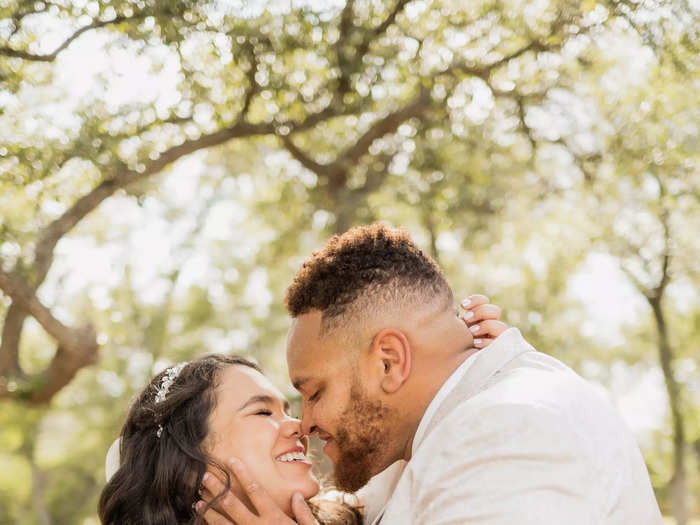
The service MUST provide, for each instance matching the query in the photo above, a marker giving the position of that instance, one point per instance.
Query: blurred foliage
(527, 146)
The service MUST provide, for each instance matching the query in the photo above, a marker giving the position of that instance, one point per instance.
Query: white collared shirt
(447, 387)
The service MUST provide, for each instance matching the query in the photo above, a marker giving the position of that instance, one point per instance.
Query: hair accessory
(112, 460)
(165, 383)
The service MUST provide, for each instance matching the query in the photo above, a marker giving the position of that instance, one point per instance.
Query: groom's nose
(307, 426)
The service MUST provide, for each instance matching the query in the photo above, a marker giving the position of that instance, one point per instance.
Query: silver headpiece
(165, 383)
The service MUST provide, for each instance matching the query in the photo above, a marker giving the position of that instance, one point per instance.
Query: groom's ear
(391, 359)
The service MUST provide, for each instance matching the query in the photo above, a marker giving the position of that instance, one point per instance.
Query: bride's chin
(310, 488)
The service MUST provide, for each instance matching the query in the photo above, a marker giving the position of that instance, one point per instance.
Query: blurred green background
(165, 166)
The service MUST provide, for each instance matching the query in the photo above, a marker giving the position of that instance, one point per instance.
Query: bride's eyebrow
(261, 398)
(268, 400)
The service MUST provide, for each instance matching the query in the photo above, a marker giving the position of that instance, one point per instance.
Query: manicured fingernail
(205, 477)
(466, 315)
(234, 462)
(474, 328)
(477, 342)
(466, 303)
(199, 506)
(298, 498)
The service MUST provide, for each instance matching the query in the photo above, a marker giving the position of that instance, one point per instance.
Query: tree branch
(385, 125)
(345, 28)
(49, 236)
(346, 63)
(346, 15)
(304, 159)
(21, 293)
(637, 283)
(484, 71)
(335, 172)
(381, 28)
(78, 347)
(9, 346)
(18, 53)
(252, 83)
(18, 17)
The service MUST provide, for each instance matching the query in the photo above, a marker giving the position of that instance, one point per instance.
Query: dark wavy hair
(158, 477)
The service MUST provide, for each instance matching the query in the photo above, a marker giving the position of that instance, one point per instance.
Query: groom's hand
(482, 318)
(231, 510)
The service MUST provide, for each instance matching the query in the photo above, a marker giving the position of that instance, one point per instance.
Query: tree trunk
(28, 450)
(344, 218)
(431, 228)
(38, 501)
(678, 486)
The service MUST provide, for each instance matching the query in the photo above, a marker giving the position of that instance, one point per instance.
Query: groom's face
(337, 404)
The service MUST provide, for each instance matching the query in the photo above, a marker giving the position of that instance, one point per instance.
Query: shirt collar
(445, 390)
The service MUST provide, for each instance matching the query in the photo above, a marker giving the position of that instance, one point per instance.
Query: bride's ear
(391, 359)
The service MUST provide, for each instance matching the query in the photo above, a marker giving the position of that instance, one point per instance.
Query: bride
(187, 421)
(184, 425)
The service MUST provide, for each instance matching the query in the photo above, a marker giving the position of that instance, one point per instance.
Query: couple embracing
(429, 417)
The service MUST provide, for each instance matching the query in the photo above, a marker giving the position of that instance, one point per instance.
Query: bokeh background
(166, 165)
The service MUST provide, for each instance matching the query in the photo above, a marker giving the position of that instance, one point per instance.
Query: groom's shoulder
(540, 386)
(536, 416)
(537, 398)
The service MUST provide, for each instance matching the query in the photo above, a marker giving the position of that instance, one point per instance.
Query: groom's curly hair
(362, 267)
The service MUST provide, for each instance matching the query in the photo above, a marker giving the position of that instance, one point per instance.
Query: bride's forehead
(238, 381)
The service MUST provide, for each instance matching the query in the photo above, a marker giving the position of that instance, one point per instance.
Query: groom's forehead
(309, 354)
(304, 333)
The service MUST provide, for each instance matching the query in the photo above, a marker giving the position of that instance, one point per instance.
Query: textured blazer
(521, 440)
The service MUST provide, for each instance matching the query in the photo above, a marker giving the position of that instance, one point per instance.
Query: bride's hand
(231, 510)
(482, 318)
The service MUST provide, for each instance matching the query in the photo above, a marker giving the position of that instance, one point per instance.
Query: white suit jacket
(521, 440)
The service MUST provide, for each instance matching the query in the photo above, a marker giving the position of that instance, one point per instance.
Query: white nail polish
(466, 315)
(466, 303)
(477, 342)
(474, 328)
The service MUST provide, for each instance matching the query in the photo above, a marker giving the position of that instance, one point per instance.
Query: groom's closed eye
(315, 395)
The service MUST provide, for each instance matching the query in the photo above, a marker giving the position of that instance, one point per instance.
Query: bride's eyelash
(263, 413)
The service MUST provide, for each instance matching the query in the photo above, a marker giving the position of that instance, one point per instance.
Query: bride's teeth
(292, 456)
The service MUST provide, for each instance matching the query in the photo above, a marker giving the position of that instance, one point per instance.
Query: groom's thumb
(301, 510)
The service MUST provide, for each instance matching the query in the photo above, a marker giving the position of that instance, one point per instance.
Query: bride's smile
(251, 421)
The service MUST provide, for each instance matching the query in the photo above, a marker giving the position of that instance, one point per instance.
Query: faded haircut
(362, 273)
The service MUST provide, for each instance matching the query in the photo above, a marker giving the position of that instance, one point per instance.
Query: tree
(247, 80)
(473, 126)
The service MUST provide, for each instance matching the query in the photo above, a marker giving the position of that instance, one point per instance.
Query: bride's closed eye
(263, 412)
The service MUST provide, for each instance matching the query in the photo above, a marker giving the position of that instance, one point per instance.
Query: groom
(443, 434)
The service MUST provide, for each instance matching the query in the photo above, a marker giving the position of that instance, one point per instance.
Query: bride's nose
(291, 427)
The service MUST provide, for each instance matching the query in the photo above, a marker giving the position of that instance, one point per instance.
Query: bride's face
(251, 422)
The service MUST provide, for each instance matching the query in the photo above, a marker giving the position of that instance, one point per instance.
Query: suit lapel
(509, 345)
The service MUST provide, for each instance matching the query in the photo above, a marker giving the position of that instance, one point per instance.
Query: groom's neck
(447, 345)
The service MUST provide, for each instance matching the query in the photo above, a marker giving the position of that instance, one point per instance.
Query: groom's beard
(362, 441)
